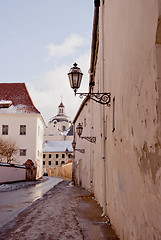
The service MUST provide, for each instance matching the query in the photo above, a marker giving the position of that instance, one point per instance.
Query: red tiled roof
(19, 95)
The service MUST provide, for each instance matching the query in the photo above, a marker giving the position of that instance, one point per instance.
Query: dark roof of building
(61, 105)
(60, 119)
(18, 94)
(70, 133)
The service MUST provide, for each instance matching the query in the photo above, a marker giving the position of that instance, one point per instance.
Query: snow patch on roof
(5, 102)
(15, 109)
(58, 146)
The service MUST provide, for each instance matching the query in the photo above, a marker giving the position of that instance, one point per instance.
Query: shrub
(8, 149)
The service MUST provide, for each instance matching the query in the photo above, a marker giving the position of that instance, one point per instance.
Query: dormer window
(5, 103)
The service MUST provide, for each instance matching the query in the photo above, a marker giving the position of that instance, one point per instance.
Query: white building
(59, 127)
(58, 136)
(22, 123)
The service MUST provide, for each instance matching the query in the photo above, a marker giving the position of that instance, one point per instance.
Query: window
(57, 155)
(4, 129)
(43, 155)
(56, 163)
(69, 155)
(22, 152)
(49, 155)
(64, 128)
(22, 129)
(63, 155)
(49, 162)
(62, 162)
(43, 162)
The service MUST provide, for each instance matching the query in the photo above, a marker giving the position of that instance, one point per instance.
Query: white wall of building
(12, 174)
(39, 146)
(58, 127)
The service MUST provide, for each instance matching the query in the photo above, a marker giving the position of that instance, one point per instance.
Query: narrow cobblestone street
(65, 212)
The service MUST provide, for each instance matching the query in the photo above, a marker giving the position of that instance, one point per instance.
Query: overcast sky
(40, 40)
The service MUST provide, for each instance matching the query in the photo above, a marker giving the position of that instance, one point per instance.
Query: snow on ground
(18, 185)
(65, 212)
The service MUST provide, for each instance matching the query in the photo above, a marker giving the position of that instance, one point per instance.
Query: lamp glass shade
(79, 129)
(75, 77)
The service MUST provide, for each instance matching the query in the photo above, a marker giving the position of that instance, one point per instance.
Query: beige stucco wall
(53, 159)
(126, 161)
(61, 171)
(133, 153)
(83, 161)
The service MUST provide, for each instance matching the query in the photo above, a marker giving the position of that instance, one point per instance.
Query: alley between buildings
(65, 212)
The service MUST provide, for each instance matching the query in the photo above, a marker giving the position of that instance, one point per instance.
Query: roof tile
(19, 95)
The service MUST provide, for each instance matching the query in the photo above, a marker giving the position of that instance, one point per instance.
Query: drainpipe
(102, 112)
(73, 158)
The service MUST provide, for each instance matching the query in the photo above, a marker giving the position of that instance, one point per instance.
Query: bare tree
(8, 149)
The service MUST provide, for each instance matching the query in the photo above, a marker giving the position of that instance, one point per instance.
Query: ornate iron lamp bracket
(90, 139)
(80, 150)
(102, 98)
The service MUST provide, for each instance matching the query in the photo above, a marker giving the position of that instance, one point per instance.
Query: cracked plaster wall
(132, 72)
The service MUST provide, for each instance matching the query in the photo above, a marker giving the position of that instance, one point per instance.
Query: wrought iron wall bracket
(90, 139)
(80, 150)
(102, 98)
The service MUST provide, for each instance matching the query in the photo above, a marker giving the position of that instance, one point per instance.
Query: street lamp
(75, 76)
(76, 149)
(79, 130)
(67, 153)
